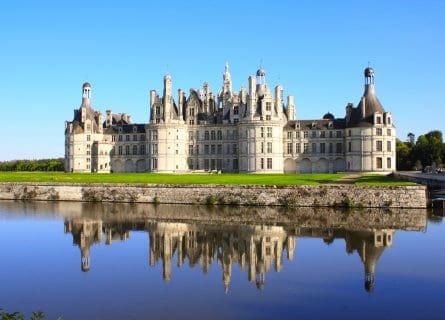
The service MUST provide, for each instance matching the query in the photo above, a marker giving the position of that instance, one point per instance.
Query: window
(388, 163)
(338, 134)
(262, 132)
(331, 134)
(349, 146)
(297, 134)
(135, 150)
(379, 121)
(190, 149)
(322, 134)
(154, 135)
(206, 164)
(190, 163)
(305, 134)
(378, 145)
(88, 137)
(191, 122)
(289, 134)
(120, 137)
(192, 112)
(212, 135)
(219, 149)
(234, 149)
(306, 148)
(120, 150)
(388, 146)
(269, 147)
(155, 148)
(314, 134)
(389, 120)
(235, 134)
(206, 135)
(262, 163)
(289, 148)
(88, 127)
(314, 148)
(379, 163)
(268, 117)
(154, 162)
(338, 147)
(197, 151)
(113, 138)
(212, 149)
(262, 147)
(388, 132)
(379, 131)
(322, 147)
(206, 149)
(235, 110)
(349, 133)
(331, 148)
(142, 149)
(235, 164)
(190, 135)
(127, 137)
(297, 148)
(268, 106)
(197, 135)
(269, 132)
(219, 135)
(135, 137)
(236, 120)
(127, 150)
(269, 163)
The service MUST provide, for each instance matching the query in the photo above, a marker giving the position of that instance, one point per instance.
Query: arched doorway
(290, 165)
(305, 166)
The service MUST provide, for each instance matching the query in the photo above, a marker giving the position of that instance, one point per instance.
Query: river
(123, 261)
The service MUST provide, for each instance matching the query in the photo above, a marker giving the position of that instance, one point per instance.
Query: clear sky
(316, 49)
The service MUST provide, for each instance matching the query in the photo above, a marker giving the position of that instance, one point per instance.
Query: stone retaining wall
(330, 195)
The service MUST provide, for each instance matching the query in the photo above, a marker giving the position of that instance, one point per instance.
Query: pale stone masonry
(250, 131)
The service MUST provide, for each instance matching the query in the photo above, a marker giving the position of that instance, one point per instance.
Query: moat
(133, 261)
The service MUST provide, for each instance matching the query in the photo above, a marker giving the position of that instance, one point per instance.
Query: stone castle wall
(330, 195)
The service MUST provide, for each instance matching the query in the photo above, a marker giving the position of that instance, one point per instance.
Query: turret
(279, 98)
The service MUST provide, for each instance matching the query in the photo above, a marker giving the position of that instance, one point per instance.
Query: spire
(227, 86)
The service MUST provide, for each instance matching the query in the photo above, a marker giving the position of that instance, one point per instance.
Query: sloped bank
(329, 195)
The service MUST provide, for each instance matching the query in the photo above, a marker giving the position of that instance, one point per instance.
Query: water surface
(121, 261)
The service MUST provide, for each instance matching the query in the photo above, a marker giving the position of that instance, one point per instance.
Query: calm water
(84, 261)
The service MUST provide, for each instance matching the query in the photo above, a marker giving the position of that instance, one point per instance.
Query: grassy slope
(380, 180)
(253, 179)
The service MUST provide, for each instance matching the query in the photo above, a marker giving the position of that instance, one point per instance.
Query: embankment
(329, 195)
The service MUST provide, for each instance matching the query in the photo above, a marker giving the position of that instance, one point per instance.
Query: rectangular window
(379, 146)
(135, 150)
(235, 164)
(349, 146)
(262, 132)
(120, 137)
(338, 134)
(314, 148)
(331, 148)
(127, 137)
(206, 164)
(379, 131)
(314, 134)
(127, 150)
(190, 163)
(388, 132)
(113, 138)
(322, 147)
(322, 134)
(289, 148)
(297, 134)
(197, 150)
(297, 148)
(212, 149)
(206, 135)
(135, 137)
(155, 148)
(268, 117)
(212, 135)
(219, 135)
(206, 149)
(154, 162)
(190, 149)
(120, 150)
(142, 137)
(142, 149)
(268, 106)
(289, 134)
(388, 163)
(262, 147)
(306, 148)
(235, 110)
(269, 163)
(88, 137)
(154, 136)
(234, 149)
(379, 163)
(219, 149)
(262, 163)
(269, 132)
(339, 147)
(388, 146)
(331, 134)
(190, 135)
(379, 121)
(305, 134)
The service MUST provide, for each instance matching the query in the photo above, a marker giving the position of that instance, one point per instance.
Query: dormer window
(379, 120)
(330, 124)
(135, 129)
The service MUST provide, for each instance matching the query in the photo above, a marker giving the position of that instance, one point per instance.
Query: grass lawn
(381, 180)
(247, 179)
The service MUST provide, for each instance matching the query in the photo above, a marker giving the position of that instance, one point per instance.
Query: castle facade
(249, 131)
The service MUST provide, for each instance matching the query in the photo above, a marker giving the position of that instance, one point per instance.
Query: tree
(429, 148)
(403, 150)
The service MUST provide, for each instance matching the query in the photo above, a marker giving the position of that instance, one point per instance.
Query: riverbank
(324, 195)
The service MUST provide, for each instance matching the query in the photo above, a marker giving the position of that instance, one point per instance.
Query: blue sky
(316, 49)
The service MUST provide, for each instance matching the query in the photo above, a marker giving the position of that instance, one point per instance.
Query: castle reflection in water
(255, 248)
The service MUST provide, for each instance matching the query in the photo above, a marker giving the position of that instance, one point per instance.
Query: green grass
(381, 180)
(222, 179)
